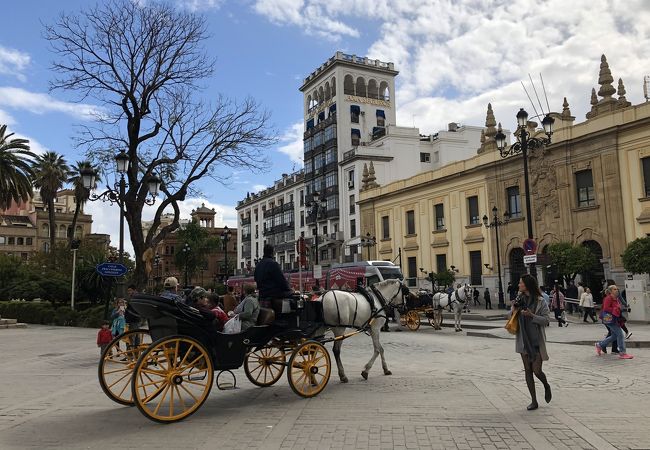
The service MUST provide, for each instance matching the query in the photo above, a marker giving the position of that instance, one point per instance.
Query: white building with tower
(351, 141)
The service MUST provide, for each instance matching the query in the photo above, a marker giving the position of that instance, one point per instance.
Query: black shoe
(532, 406)
(604, 351)
(547, 393)
(615, 351)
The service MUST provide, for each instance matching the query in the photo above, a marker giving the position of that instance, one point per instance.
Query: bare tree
(144, 64)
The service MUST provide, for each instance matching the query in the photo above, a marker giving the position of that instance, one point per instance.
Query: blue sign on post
(108, 269)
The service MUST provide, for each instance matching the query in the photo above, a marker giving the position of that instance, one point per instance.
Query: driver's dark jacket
(270, 280)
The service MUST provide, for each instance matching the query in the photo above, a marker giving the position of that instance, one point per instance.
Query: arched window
(45, 230)
(78, 232)
(328, 92)
(62, 232)
(594, 277)
(373, 89)
(321, 95)
(517, 266)
(333, 86)
(20, 241)
(384, 92)
(361, 87)
(308, 102)
(348, 85)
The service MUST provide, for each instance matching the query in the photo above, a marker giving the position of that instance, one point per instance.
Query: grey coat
(540, 319)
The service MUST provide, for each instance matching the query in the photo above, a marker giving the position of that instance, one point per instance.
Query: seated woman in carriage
(204, 302)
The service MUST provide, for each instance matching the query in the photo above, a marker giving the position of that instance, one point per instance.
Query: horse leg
(374, 334)
(337, 354)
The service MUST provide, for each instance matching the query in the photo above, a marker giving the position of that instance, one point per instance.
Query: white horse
(343, 309)
(458, 299)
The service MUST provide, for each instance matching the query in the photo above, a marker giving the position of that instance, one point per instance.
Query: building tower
(348, 102)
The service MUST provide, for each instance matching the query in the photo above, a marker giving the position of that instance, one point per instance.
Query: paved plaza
(448, 390)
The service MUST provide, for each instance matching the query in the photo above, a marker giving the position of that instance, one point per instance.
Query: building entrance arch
(517, 266)
(594, 276)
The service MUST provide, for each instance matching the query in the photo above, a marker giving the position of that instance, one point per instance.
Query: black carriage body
(167, 317)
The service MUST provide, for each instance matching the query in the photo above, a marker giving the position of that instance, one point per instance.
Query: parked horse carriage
(167, 370)
(432, 306)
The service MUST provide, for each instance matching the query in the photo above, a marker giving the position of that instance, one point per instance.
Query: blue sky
(453, 58)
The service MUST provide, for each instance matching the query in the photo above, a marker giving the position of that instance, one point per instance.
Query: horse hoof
(456, 330)
(364, 374)
(344, 379)
(387, 372)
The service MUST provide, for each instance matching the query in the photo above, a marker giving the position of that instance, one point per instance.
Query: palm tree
(51, 170)
(81, 194)
(15, 169)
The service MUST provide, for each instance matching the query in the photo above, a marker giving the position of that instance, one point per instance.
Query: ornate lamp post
(523, 144)
(495, 222)
(186, 256)
(368, 242)
(116, 194)
(315, 208)
(225, 237)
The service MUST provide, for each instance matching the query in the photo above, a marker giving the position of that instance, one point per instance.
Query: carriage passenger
(206, 303)
(171, 289)
(271, 283)
(248, 309)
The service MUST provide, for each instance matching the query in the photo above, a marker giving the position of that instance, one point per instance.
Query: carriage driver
(271, 283)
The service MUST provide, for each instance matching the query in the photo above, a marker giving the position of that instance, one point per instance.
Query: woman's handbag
(512, 325)
(607, 318)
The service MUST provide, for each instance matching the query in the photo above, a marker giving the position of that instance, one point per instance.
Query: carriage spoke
(117, 370)
(119, 379)
(180, 398)
(126, 385)
(154, 394)
(171, 401)
(164, 395)
(196, 400)
(187, 353)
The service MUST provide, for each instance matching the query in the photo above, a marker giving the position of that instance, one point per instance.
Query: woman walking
(530, 341)
(612, 319)
(557, 305)
(587, 304)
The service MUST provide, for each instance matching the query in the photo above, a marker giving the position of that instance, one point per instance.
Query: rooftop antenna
(646, 87)
(530, 99)
(545, 95)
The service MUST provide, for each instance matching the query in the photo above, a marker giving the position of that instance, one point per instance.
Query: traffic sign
(530, 246)
(530, 259)
(108, 269)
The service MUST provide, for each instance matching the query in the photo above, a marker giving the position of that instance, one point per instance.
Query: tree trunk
(134, 223)
(50, 214)
(74, 221)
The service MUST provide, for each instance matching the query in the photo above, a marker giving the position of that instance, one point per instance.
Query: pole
(502, 304)
(74, 270)
(120, 284)
(225, 243)
(316, 244)
(529, 216)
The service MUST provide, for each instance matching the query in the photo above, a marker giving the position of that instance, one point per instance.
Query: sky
(453, 57)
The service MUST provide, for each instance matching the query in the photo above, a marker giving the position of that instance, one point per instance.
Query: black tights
(533, 368)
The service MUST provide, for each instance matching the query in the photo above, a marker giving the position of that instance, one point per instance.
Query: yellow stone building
(590, 187)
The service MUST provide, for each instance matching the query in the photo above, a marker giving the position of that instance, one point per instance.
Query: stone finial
(482, 136)
(372, 179)
(566, 112)
(605, 79)
(622, 101)
(490, 123)
(594, 99)
(364, 177)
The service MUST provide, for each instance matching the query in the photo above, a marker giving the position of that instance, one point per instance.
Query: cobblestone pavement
(447, 390)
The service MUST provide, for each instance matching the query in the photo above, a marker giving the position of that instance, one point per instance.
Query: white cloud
(200, 5)
(106, 218)
(42, 103)
(258, 187)
(293, 143)
(455, 57)
(13, 62)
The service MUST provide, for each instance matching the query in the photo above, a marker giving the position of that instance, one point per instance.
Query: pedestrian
(118, 323)
(170, 289)
(611, 316)
(132, 321)
(530, 340)
(512, 291)
(587, 304)
(581, 290)
(571, 297)
(488, 300)
(229, 300)
(475, 294)
(104, 336)
(557, 305)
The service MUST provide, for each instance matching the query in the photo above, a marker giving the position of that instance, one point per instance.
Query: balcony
(246, 220)
(332, 213)
(324, 124)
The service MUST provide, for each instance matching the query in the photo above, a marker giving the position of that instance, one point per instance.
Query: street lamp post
(368, 241)
(225, 237)
(495, 223)
(186, 256)
(116, 194)
(316, 207)
(523, 145)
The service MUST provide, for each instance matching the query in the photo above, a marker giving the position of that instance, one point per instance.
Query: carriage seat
(265, 317)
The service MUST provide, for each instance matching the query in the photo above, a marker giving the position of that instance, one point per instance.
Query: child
(119, 323)
(208, 303)
(104, 337)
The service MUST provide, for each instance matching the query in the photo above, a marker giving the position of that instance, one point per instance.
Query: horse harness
(374, 312)
(455, 299)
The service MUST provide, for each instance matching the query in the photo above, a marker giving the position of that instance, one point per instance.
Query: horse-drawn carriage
(167, 370)
(432, 305)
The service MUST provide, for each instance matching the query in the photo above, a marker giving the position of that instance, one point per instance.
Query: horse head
(391, 289)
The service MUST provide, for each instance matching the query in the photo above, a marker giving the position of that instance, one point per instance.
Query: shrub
(45, 314)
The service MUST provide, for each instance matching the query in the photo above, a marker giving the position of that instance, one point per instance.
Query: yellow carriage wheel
(117, 362)
(309, 369)
(412, 320)
(264, 367)
(172, 379)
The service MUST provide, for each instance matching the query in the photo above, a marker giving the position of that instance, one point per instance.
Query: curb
(628, 344)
